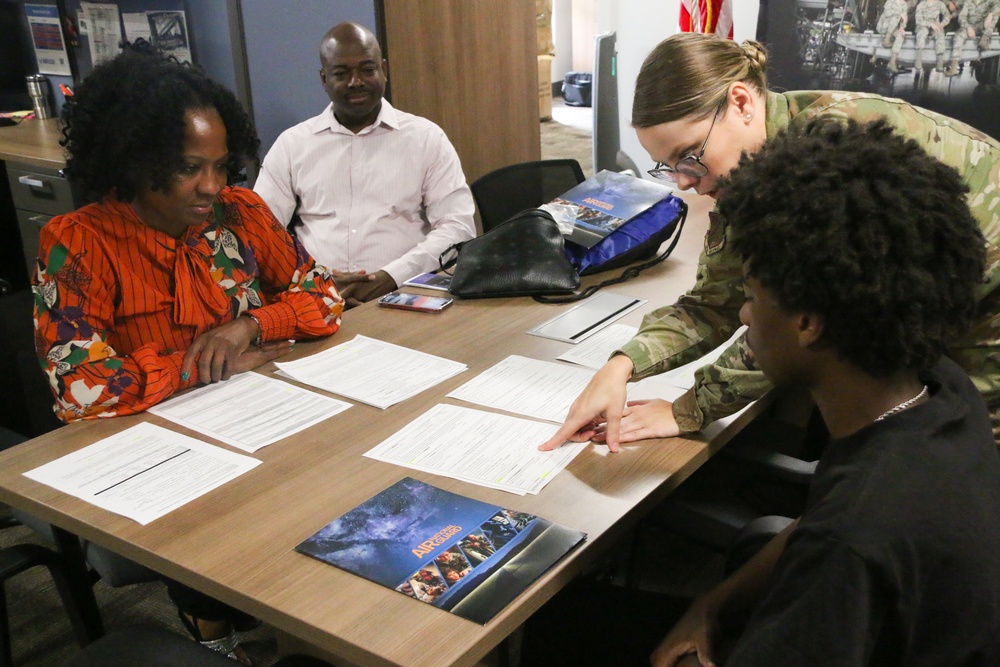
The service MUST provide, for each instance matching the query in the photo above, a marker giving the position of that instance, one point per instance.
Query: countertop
(34, 142)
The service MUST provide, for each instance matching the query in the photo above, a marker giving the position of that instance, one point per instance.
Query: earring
(748, 117)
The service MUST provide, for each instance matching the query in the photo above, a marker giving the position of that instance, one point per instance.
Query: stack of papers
(143, 472)
(371, 371)
(542, 389)
(249, 411)
(595, 351)
(497, 451)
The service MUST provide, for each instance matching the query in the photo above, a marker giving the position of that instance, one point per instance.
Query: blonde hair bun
(756, 53)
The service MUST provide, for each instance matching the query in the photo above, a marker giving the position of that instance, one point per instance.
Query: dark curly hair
(124, 127)
(860, 225)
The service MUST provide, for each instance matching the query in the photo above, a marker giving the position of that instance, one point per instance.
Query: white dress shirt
(391, 197)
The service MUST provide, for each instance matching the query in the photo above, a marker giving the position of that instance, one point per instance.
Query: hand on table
(221, 352)
(643, 420)
(601, 403)
(364, 287)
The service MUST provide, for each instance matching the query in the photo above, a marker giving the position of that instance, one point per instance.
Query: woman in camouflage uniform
(700, 102)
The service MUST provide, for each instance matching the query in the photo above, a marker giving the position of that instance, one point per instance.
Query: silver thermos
(38, 89)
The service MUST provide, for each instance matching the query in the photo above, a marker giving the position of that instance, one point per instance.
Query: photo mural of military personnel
(976, 18)
(931, 16)
(892, 26)
(848, 44)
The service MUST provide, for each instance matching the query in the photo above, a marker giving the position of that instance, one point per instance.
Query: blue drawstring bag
(635, 240)
(638, 239)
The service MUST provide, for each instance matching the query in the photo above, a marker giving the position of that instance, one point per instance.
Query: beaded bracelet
(259, 342)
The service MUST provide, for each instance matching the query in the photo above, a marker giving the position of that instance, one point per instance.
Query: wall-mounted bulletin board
(101, 26)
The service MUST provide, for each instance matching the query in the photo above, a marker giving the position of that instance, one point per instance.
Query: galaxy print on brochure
(453, 552)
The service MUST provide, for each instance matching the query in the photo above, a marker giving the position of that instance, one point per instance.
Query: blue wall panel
(282, 50)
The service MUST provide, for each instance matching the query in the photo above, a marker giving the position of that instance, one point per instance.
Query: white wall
(562, 37)
(641, 25)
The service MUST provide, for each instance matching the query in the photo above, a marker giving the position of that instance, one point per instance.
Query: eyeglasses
(691, 165)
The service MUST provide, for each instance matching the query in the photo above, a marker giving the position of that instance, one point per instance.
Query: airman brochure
(458, 554)
(603, 203)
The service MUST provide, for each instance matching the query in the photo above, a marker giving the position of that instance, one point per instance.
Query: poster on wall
(102, 25)
(165, 31)
(943, 55)
(46, 36)
(169, 34)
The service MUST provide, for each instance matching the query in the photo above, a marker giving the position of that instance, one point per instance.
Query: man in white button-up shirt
(380, 192)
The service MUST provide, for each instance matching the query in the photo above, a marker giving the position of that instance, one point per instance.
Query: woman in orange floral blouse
(171, 278)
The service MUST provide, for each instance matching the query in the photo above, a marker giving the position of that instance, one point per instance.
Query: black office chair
(147, 646)
(71, 583)
(26, 412)
(25, 398)
(76, 596)
(507, 191)
(742, 496)
(156, 647)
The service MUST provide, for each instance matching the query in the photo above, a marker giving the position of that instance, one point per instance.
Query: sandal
(228, 646)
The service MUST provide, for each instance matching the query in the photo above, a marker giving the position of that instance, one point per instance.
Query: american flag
(707, 16)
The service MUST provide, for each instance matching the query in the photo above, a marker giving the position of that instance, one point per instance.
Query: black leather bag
(520, 257)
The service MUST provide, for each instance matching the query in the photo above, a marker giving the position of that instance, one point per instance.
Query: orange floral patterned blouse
(117, 303)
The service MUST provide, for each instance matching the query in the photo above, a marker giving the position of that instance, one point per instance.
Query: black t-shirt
(896, 560)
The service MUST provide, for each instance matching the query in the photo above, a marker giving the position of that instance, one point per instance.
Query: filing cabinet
(39, 194)
(31, 192)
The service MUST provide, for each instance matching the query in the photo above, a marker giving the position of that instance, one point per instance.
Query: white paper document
(104, 31)
(372, 371)
(496, 451)
(250, 410)
(136, 26)
(542, 389)
(143, 472)
(596, 350)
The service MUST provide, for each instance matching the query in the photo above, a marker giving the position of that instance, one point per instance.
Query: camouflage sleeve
(700, 320)
(721, 388)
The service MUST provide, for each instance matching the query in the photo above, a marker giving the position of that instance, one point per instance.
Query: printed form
(542, 389)
(496, 451)
(595, 351)
(372, 371)
(143, 472)
(249, 410)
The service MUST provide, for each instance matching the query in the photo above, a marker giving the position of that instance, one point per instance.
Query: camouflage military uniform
(705, 317)
(891, 24)
(981, 16)
(931, 13)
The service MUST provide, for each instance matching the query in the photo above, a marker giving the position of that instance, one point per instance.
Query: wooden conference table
(237, 542)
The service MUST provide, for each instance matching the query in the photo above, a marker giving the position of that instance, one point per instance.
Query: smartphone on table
(417, 302)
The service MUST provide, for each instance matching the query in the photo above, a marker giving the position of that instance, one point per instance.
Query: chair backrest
(509, 190)
(25, 398)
